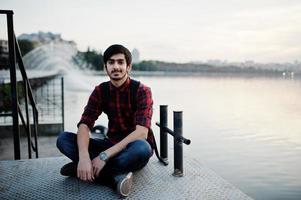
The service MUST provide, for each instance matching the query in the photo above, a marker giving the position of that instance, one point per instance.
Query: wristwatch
(103, 156)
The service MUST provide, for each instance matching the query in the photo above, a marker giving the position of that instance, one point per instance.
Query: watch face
(103, 156)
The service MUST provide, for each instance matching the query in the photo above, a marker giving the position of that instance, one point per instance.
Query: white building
(3, 54)
(135, 56)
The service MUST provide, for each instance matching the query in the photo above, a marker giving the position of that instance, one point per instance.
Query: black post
(63, 104)
(28, 128)
(36, 123)
(53, 98)
(13, 83)
(163, 133)
(178, 145)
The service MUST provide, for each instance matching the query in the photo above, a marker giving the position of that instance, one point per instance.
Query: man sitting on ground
(128, 146)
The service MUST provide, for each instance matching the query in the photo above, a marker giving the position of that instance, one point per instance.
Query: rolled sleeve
(92, 109)
(143, 115)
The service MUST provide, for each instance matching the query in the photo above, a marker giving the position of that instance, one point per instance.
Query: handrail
(178, 138)
(23, 72)
(16, 57)
(6, 12)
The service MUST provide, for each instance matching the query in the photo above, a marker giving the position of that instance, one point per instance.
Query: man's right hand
(85, 170)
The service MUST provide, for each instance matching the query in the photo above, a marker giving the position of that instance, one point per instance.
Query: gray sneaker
(124, 184)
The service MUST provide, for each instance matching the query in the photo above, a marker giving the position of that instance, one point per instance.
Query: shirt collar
(123, 87)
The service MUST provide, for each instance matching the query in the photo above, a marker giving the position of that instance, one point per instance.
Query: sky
(170, 30)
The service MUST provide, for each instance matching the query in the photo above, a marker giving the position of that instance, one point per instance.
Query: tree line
(93, 60)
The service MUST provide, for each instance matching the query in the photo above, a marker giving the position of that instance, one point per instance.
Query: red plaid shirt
(122, 120)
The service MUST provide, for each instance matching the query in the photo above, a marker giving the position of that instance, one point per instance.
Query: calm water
(248, 130)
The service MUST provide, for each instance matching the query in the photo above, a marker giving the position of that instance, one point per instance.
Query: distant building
(3, 46)
(4, 54)
(135, 56)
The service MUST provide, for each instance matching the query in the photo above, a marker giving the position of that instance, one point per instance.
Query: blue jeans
(134, 157)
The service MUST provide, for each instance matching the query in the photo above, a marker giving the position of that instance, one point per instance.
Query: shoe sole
(124, 186)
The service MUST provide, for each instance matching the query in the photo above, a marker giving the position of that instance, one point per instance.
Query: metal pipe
(47, 98)
(6, 12)
(178, 146)
(63, 105)
(163, 133)
(28, 130)
(13, 81)
(23, 72)
(179, 138)
(30, 98)
(36, 122)
(53, 99)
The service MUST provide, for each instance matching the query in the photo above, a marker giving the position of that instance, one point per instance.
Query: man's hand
(84, 170)
(97, 165)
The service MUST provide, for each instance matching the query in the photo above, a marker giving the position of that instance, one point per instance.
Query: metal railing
(15, 58)
(177, 134)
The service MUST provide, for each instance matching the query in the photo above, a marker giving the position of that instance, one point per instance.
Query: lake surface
(248, 130)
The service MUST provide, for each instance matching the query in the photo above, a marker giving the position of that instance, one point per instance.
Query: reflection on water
(248, 130)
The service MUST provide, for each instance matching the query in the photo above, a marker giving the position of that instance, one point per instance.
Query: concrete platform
(40, 179)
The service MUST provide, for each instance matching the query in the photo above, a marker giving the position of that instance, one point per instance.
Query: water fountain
(56, 58)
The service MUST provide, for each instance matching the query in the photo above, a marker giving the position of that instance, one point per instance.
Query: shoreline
(201, 74)
(4, 75)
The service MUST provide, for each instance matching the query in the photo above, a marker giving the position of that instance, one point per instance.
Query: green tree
(145, 66)
(94, 58)
(26, 46)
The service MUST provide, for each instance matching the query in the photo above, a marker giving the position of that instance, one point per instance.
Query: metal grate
(40, 179)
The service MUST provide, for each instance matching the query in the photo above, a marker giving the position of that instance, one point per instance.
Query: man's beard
(117, 78)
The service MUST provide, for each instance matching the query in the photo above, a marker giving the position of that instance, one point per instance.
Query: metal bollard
(178, 145)
(163, 133)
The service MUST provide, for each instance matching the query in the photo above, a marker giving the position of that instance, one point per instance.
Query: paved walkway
(40, 179)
